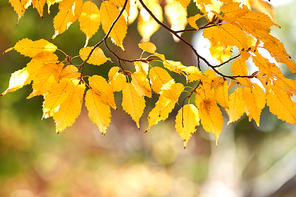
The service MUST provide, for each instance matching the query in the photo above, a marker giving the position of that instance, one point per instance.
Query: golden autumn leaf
(45, 79)
(57, 95)
(17, 80)
(110, 12)
(89, 19)
(147, 46)
(39, 4)
(97, 57)
(69, 11)
(70, 72)
(70, 109)
(159, 78)
(221, 94)
(192, 20)
(240, 68)
(141, 84)
(132, 102)
(173, 92)
(254, 101)
(228, 35)
(36, 64)
(31, 48)
(280, 103)
(18, 7)
(163, 107)
(236, 105)
(103, 89)
(187, 121)
(98, 111)
(219, 53)
(142, 67)
(211, 117)
(117, 80)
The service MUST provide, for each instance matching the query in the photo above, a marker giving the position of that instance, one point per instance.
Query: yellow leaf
(192, 20)
(142, 67)
(147, 26)
(221, 94)
(159, 77)
(17, 80)
(132, 102)
(39, 4)
(211, 117)
(70, 109)
(70, 72)
(45, 79)
(117, 80)
(31, 48)
(57, 95)
(102, 89)
(220, 54)
(96, 58)
(69, 11)
(240, 68)
(163, 107)
(147, 46)
(281, 104)
(89, 19)
(254, 100)
(173, 92)
(110, 12)
(141, 84)
(236, 105)
(227, 35)
(98, 111)
(18, 7)
(176, 15)
(234, 10)
(187, 121)
(37, 62)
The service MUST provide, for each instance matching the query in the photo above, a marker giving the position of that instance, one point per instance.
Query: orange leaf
(236, 105)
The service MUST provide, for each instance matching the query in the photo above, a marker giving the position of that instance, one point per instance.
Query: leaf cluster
(236, 33)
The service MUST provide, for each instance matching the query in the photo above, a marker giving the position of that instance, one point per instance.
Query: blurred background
(80, 161)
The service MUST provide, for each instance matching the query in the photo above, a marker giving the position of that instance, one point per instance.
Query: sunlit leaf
(110, 13)
(98, 111)
(187, 121)
(117, 80)
(97, 57)
(70, 109)
(31, 48)
(132, 102)
(89, 19)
